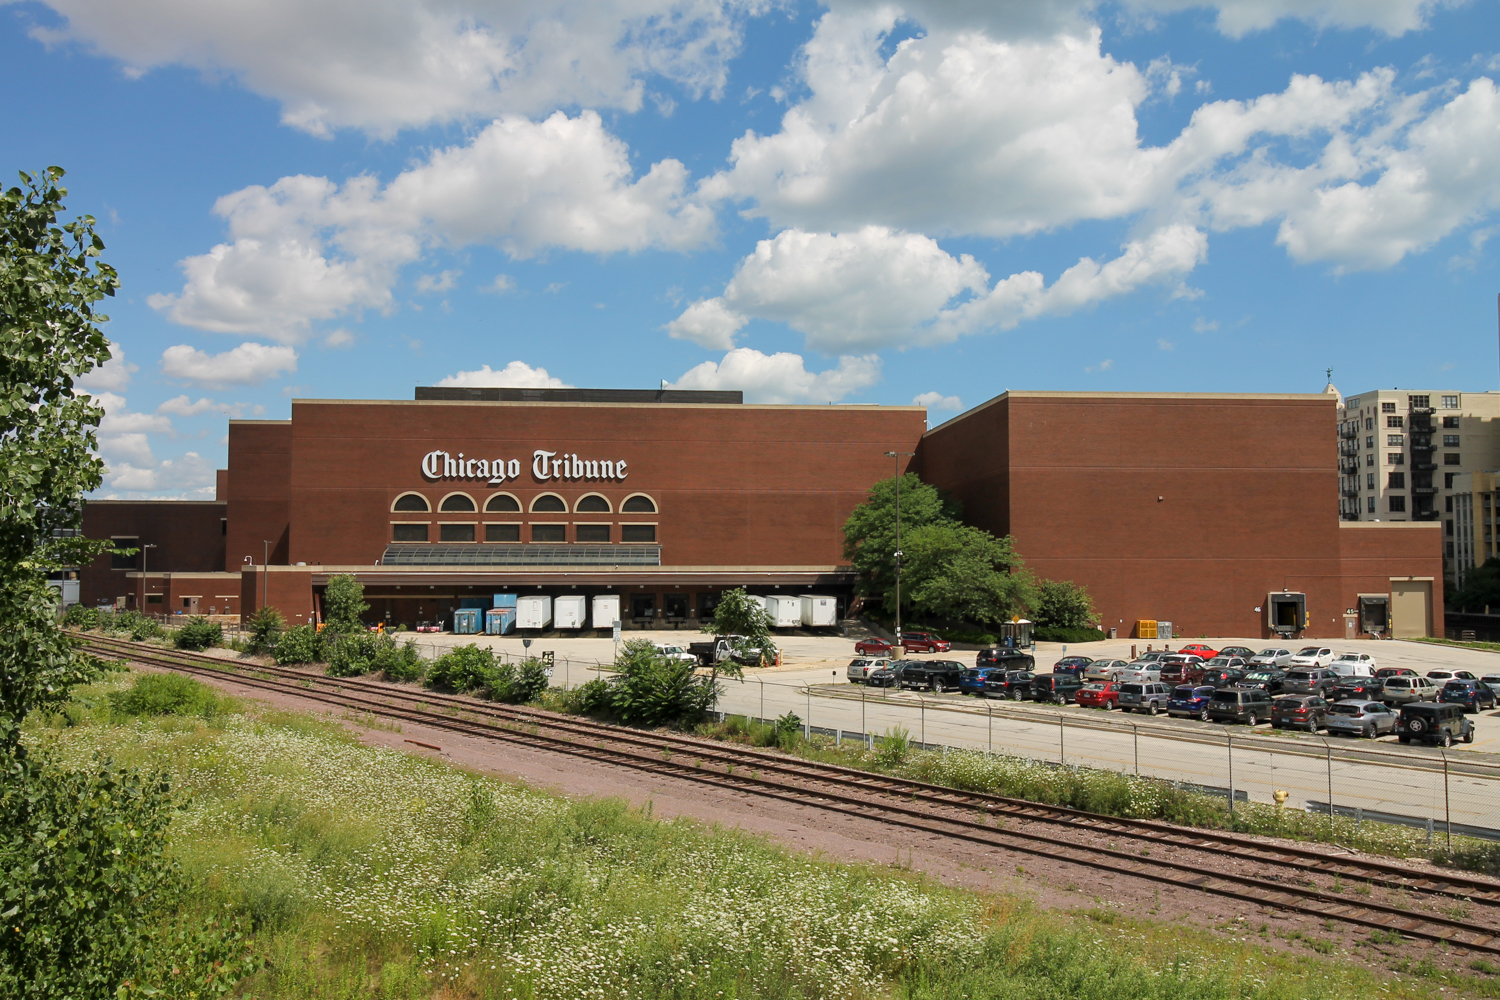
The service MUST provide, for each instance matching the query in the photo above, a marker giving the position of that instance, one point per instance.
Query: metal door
(1411, 608)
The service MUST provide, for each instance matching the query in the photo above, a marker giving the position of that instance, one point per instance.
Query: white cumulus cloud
(187, 477)
(185, 406)
(782, 377)
(248, 364)
(306, 249)
(516, 375)
(937, 401)
(1240, 17)
(113, 375)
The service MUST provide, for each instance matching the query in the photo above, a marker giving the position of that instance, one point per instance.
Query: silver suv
(1310, 680)
(1150, 697)
(1405, 690)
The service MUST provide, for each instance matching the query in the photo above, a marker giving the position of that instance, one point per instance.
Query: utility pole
(898, 455)
(265, 572)
(148, 545)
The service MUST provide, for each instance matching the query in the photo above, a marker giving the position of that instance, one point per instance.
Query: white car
(1271, 657)
(861, 667)
(1353, 665)
(1311, 656)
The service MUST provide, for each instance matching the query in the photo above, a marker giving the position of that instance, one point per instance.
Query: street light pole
(265, 572)
(148, 545)
(898, 455)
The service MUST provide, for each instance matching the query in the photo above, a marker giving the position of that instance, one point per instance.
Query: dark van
(1248, 705)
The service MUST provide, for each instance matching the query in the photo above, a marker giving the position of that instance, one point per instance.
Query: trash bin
(1113, 632)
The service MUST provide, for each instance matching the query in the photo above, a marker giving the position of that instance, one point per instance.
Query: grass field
(370, 873)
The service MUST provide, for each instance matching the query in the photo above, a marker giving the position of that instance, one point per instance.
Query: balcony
(1422, 410)
(1424, 466)
(1424, 515)
(1424, 445)
(1349, 491)
(1424, 491)
(1348, 448)
(1349, 467)
(1349, 429)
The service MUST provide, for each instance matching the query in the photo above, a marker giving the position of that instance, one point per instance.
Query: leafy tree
(739, 614)
(1063, 604)
(870, 532)
(462, 668)
(960, 572)
(343, 604)
(1481, 588)
(653, 690)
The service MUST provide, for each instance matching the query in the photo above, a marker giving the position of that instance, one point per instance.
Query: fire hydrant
(1280, 796)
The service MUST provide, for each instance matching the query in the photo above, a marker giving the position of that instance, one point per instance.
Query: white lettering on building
(545, 465)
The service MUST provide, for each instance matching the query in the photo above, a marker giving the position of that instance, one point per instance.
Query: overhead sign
(545, 465)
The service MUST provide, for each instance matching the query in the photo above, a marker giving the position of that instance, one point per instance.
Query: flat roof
(497, 394)
(1304, 397)
(606, 406)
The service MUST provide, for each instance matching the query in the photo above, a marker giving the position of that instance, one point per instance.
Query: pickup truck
(668, 651)
(722, 648)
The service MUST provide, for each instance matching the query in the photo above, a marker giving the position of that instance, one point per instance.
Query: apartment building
(1402, 453)
(1476, 499)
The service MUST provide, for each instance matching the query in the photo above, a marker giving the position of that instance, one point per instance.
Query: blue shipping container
(466, 621)
(504, 601)
(499, 621)
(481, 603)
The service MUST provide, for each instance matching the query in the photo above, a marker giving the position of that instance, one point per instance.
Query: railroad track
(1283, 875)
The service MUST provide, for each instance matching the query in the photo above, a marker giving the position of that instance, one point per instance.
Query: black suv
(1433, 722)
(1012, 684)
(939, 675)
(1005, 659)
(1055, 687)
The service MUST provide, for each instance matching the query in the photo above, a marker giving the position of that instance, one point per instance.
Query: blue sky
(851, 202)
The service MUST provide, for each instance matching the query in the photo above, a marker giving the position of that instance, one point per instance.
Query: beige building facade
(1476, 502)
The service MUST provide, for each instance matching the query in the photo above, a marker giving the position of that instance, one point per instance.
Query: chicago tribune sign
(544, 465)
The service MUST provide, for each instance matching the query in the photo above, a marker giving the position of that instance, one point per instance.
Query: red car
(1099, 694)
(925, 642)
(872, 647)
(1198, 649)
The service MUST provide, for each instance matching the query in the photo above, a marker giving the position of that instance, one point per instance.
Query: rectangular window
(1396, 422)
(1451, 458)
(1450, 402)
(1395, 440)
(1396, 480)
(1448, 504)
(1395, 458)
(1450, 423)
(1419, 402)
(1387, 407)
(1397, 504)
(1369, 423)
(153, 598)
(125, 562)
(1448, 527)
(1370, 459)
(1369, 480)
(455, 532)
(1369, 505)
(1450, 549)
(502, 532)
(1353, 404)
(1450, 440)
(637, 532)
(591, 532)
(549, 532)
(1448, 480)
(408, 532)
(1370, 441)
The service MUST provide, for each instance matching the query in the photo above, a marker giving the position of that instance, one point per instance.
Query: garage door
(1411, 608)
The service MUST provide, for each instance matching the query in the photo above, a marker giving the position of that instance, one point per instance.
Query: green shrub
(1054, 634)
(199, 634)
(130, 623)
(651, 690)
(787, 732)
(266, 626)
(461, 669)
(894, 748)
(972, 637)
(299, 644)
(168, 694)
(343, 604)
(351, 654)
(593, 698)
(78, 616)
(399, 661)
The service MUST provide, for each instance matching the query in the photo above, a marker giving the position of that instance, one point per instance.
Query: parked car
(874, 646)
(1472, 695)
(1059, 688)
(1221, 677)
(1248, 705)
(1431, 722)
(1181, 668)
(925, 642)
(1140, 670)
(861, 667)
(1384, 672)
(1201, 650)
(1152, 656)
(1310, 680)
(1242, 651)
(1005, 659)
(1272, 656)
(1074, 665)
(1298, 711)
(1311, 656)
(1012, 684)
(935, 675)
(1271, 681)
(1150, 697)
(1439, 677)
(1405, 690)
(1189, 701)
(1098, 694)
(1358, 689)
(888, 675)
(1360, 718)
(1104, 670)
(1491, 681)
(1353, 665)
(971, 681)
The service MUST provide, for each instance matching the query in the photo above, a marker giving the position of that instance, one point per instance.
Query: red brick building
(1188, 508)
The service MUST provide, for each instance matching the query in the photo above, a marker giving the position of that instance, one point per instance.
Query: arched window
(591, 503)
(502, 503)
(549, 503)
(638, 503)
(411, 501)
(457, 502)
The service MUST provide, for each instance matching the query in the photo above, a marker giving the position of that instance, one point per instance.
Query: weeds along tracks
(1284, 874)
